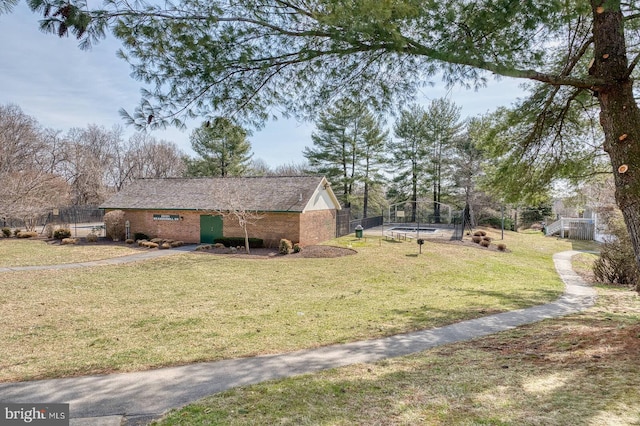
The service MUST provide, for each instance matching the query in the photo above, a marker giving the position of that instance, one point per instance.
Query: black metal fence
(342, 222)
(62, 215)
(76, 214)
(345, 225)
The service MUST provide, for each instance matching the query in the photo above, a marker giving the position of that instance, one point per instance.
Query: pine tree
(408, 156)
(223, 148)
(373, 157)
(348, 147)
(443, 128)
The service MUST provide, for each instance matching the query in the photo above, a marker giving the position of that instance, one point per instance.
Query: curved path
(136, 398)
(129, 258)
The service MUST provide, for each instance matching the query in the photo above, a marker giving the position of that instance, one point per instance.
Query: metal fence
(345, 225)
(62, 215)
(76, 214)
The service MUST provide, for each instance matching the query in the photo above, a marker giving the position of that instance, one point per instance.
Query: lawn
(195, 307)
(583, 369)
(24, 252)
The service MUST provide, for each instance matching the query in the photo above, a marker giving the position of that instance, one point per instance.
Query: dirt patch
(323, 251)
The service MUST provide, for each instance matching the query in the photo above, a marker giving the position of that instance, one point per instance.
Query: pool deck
(388, 231)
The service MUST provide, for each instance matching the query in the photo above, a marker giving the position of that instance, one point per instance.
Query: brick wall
(186, 229)
(317, 226)
(270, 228)
(307, 228)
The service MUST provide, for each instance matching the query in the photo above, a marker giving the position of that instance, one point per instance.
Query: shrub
(297, 248)
(92, 238)
(502, 247)
(114, 221)
(479, 233)
(149, 244)
(176, 243)
(204, 247)
(476, 239)
(239, 241)
(140, 236)
(6, 232)
(157, 240)
(129, 241)
(61, 233)
(27, 234)
(487, 239)
(165, 245)
(616, 263)
(485, 243)
(285, 246)
(69, 241)
(16, 232)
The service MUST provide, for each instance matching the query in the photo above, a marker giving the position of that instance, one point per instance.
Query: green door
(210, 228)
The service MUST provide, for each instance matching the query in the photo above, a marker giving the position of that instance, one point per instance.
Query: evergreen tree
(409, 156)
(348, 146)
(526, 157)
(443, 127)
(468, 164)
(372, 158)
(223, 149)
(334, 148)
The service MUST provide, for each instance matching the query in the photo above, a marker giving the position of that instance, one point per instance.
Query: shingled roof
(272, 193)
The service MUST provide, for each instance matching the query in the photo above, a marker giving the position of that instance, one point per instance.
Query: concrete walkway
(136, 257)
(136, 398)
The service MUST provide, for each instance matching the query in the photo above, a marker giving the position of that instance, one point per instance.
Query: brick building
(196, 210)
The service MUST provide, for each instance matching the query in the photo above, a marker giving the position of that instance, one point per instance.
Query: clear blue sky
(63, 87)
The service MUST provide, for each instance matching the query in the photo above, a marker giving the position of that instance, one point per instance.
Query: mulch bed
(269, 253)
(315, 251)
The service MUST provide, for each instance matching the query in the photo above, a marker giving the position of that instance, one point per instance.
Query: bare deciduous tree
(20, 139)
(29, 195)
(232, 198)
(98, 161)
(27, 163)
(154, 158)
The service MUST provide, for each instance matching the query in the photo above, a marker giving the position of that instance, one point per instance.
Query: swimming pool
(413, 229)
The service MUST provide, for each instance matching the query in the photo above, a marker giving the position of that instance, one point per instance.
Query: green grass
(581, 369)
(196, 307)
(23, 252)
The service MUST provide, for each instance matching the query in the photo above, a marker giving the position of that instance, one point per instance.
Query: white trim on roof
(323, 198)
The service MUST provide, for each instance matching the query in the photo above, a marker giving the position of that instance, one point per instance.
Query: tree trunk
(436, 194)
(619, 113)
(414, 194)
(246, 239)
(365, 204)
